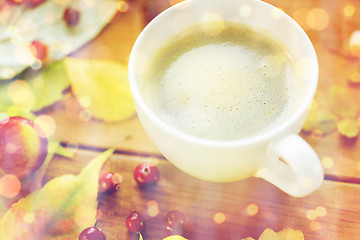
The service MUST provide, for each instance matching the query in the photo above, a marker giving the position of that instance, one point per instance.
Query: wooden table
(249, 206)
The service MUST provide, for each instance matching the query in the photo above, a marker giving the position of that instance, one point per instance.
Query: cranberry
(34, 3)
(15, 1)
(39, 50)
(146, 175)
(134, 222)
(109, 182)
(175, 221)
(92, 233)
(71, 16)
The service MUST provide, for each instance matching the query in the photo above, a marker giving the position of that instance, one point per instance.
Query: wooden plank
(249, 206)
(333, 52)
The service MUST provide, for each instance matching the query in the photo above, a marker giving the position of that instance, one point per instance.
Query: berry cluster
(39, 49)
(145, 175)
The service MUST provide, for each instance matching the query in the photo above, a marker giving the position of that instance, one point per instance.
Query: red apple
(23, 146)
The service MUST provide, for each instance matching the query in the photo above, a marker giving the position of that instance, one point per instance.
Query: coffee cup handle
(300, 173)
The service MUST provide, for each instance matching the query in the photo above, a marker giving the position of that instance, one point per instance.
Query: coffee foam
(220, 90)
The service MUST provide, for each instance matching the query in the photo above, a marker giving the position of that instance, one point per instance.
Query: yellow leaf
(60, 210)
(175, 237)
(102, 87)
(248, 238)
(285, 234)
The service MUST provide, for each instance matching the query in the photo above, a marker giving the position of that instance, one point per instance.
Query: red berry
(15, 1)
(134, 222)
(71, 16)
(92, 233)
(34, 3)
(39, 50)
(23, 146)
(175, 221)
(109, 182)
(146, 175)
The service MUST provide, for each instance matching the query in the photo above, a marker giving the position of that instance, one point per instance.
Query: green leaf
(104, 86)
(60, 210)
(175, 237)
(45, 23)
(38, 91)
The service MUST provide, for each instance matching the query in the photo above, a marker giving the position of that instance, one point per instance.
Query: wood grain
(335, 62)
(200, 201)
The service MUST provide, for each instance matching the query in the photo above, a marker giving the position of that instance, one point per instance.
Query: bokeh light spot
(85, 101)
(47, 124)
(153, 208)
(348, 128)
(36, 64)
(19, 92)
(10, 186)
(354, 43)
(318, 19)
(245, 10)
(29, 218)
(219, 217)
(354, 77)
(317, 134)
(252, 209)
(320, 211)
(327, 162)
(349, 10)
(122, 6)
(311, 214)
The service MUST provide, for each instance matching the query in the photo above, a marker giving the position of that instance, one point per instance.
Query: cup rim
(138, 98)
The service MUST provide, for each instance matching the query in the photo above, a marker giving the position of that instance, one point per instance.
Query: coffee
(224, 86)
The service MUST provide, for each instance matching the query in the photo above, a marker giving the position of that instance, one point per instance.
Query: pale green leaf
(47, 25)
(104, 87)
(175, 237)
(60, 210)
(39, 90)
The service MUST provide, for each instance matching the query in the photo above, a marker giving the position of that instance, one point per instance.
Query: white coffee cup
(299, 172)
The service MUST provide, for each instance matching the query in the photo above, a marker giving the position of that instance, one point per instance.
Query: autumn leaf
(38, 91)
(285, 234)
(45, 23)
(60, 210)
(104, 87)
(175, 237)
